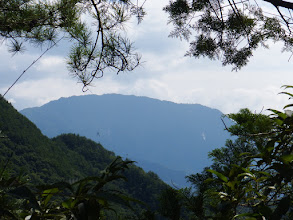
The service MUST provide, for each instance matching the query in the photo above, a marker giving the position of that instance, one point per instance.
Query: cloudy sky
(165, 74)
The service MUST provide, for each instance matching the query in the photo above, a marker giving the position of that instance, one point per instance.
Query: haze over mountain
(171, 139)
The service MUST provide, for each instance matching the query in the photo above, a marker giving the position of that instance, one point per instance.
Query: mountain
(24, 149)
(173, 138)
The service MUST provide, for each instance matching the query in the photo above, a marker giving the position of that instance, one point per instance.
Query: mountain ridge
(176, 136)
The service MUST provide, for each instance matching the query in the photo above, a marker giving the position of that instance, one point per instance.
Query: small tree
(251, 177)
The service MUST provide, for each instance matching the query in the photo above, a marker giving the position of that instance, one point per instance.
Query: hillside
(66, 157)
(171, 138)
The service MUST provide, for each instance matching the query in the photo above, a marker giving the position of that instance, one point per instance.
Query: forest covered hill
(24, 149)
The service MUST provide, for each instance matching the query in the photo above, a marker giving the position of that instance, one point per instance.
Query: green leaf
(69, 204)
(287, 93)
(286, 86)
(261, 179)
(247, 174)
(278, 121)
(287, 106)
(252, 216)
(287, 158)
(209, 180)
(48, 194)
(219, 175)
(278, 113)
(50, 191)
(245, 154)
(232, 184)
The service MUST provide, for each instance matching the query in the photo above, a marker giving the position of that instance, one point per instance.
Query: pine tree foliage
(95, 27)
(230, 30)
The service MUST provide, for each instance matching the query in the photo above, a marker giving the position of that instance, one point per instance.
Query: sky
(165, 74)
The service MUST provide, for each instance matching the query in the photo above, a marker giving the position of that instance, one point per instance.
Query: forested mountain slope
(171, 138)
(23, 148)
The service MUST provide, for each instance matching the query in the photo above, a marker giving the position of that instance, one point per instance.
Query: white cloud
(38, 92)
(47, 63)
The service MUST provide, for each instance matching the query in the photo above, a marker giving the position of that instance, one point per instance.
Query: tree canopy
(251, 176)
(94, 26)
(230, 30)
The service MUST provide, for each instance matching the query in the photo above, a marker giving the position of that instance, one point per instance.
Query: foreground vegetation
(250, 178)
(64, 178)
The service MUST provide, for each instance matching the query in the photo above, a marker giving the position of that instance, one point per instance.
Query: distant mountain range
(171, 139)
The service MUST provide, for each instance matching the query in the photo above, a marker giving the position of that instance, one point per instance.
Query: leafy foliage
(228, 30)
(251, 177)
(82, 199)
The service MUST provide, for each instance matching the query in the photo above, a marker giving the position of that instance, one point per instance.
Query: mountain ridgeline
(24, 149)
(172, 139)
